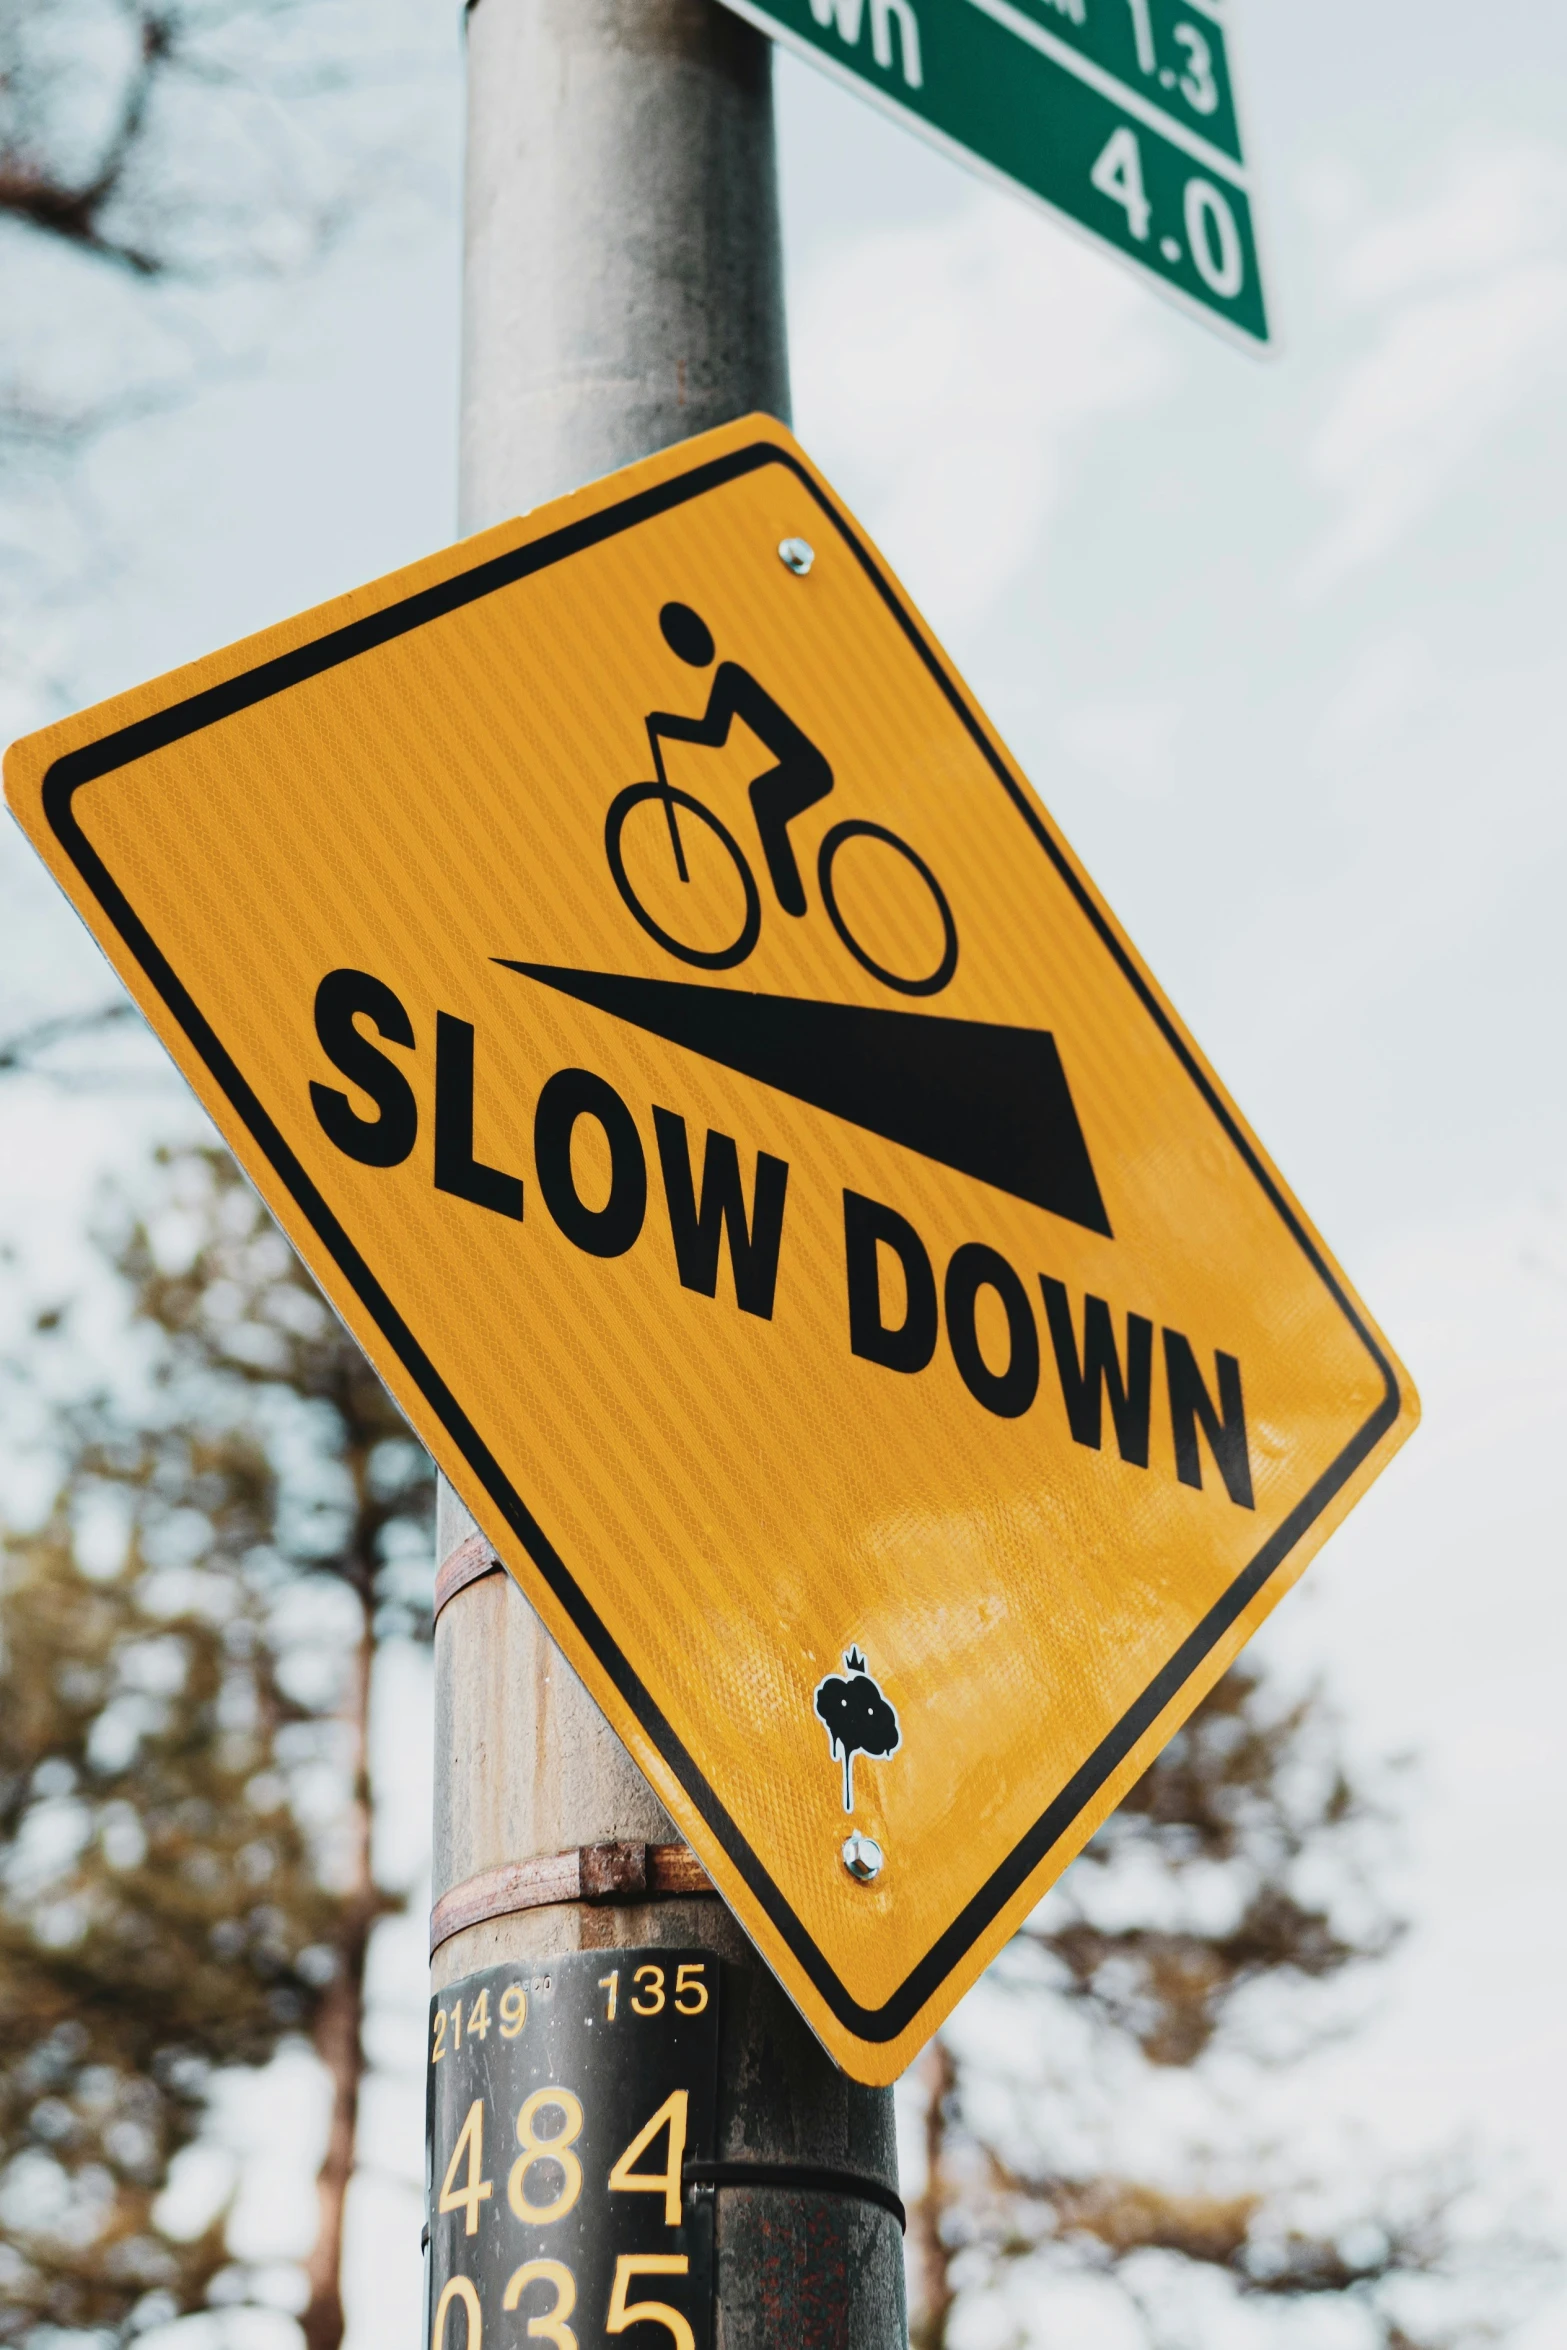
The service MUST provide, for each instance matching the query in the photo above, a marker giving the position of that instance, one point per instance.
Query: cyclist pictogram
(800, 779)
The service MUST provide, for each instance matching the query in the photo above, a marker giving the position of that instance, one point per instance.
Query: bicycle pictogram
(799, 779)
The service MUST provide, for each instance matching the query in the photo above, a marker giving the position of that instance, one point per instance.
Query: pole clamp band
(806, 2177)
(597, 1873)
(468, 1563)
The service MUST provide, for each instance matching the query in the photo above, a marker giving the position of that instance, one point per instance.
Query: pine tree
(1212, 1910)
(185, 1804)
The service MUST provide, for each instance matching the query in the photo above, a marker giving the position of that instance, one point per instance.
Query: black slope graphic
(991, 1102)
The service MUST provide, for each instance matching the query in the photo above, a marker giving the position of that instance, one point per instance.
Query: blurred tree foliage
(187, 1643)
(186, 1654)
(1234, 1879)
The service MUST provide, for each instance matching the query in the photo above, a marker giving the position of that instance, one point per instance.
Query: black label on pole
(564, 2098)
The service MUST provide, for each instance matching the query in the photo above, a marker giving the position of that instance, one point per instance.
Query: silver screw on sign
(862, 1857)
(797, 555)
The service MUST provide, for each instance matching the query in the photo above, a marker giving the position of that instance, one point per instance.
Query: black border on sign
(94, 760)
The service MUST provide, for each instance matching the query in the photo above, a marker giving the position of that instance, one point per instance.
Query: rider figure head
(687, 634)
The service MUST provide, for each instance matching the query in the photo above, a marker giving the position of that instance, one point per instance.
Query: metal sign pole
(623, 290)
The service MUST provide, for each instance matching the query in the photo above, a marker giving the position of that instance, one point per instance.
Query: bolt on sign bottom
(694, 1065)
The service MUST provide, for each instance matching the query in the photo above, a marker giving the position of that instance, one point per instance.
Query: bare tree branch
(74, 211)
(212, 155)
(26, 1052)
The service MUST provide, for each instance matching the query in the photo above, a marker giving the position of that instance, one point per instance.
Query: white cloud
(1469, 294)
(943, 372)
(1437, 807)
(1444, 376)
(1391, 683)
(1128, 745)
(1498, 203)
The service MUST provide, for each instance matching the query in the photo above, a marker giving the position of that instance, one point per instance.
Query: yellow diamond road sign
(695, 1067)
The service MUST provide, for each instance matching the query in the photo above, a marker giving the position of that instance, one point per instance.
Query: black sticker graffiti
(858, 1719)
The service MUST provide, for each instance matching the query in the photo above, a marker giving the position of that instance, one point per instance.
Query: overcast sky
(1279, 644)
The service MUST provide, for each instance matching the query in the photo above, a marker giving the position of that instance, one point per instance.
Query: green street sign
(1117, 114)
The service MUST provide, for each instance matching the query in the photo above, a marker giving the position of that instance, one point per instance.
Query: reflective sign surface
(690, 1059)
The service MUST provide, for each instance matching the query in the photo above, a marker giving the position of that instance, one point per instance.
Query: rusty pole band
(593, 1872)
(623, 289)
